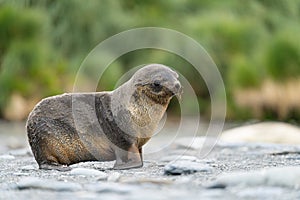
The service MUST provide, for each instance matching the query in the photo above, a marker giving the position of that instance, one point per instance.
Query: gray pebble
(259, 192)
(241, 178)
(45, 184)
(20, 152)
(88, 172)
(278, 176)
(152, 181)
(176, 157)
(109, 187)
(28, 168)
(184, 180)
(191, 142)
(7, 157)
(179, 167)
(114, 177)
(21, 174)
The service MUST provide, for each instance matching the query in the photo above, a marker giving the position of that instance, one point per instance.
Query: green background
(255, 44)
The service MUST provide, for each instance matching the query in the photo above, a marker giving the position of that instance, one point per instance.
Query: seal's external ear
(139, 84)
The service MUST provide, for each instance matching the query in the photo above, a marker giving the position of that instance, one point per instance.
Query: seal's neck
(146, 111)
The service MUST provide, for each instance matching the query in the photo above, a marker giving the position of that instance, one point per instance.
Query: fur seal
(102, 126)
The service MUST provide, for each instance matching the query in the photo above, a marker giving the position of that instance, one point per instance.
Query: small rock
(239, 178)
(45, 184)
(184, 180)
(28, 168)
(260, 193)
(88, 172)
(156, 181)
(267, 132)
(111, 188)
(179, 167)
(20, 152)
(278, 177)
(7, 157)
(21, 174)
(215, 194)
(284, 177)
(195, 143)
(177, 157)
(114, 177)
(101, 166)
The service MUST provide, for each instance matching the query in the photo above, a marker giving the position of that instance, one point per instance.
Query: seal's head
(157, 82)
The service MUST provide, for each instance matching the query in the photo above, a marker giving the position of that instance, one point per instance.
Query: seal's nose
(177, 86)
(177, 89)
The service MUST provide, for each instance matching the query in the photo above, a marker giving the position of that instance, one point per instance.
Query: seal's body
(102, 126)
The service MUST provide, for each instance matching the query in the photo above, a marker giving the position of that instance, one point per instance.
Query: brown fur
(102, 126)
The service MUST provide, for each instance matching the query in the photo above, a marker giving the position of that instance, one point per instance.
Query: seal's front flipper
(128, 159)
(128, 165)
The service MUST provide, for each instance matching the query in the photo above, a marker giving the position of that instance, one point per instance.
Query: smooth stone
(278, 177)
(284, 177)
(215, 194)
(195, 143)
(7, 157)
(45, 184)
(88, 172)
(259, 192)
(114, 177)
(177, 157)
(184, 180)
(179, 167)
(156, 181)
(267, 132)
(110, 187)
(239, 178)
(28, 168)
(94, 165)
(20, 152)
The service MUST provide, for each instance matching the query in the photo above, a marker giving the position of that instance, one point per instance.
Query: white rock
(177, 157)
(278, 176)
(114, 177)
(242, 178)
(88, 172)
(185, 167)
(284, 176)
(268, 132)
(45, 184)
(195, 143)
(7, 157)
(28, 168)
(259, 192)
(109, 187)
(20, 152)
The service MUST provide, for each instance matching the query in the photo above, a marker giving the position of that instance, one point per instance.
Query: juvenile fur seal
(102, 126)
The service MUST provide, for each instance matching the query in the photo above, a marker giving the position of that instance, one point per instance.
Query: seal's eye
(156, 86)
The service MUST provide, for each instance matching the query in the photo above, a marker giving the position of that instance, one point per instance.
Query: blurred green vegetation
(43, 42)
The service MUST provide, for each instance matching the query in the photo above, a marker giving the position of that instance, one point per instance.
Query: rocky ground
(176, 171)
